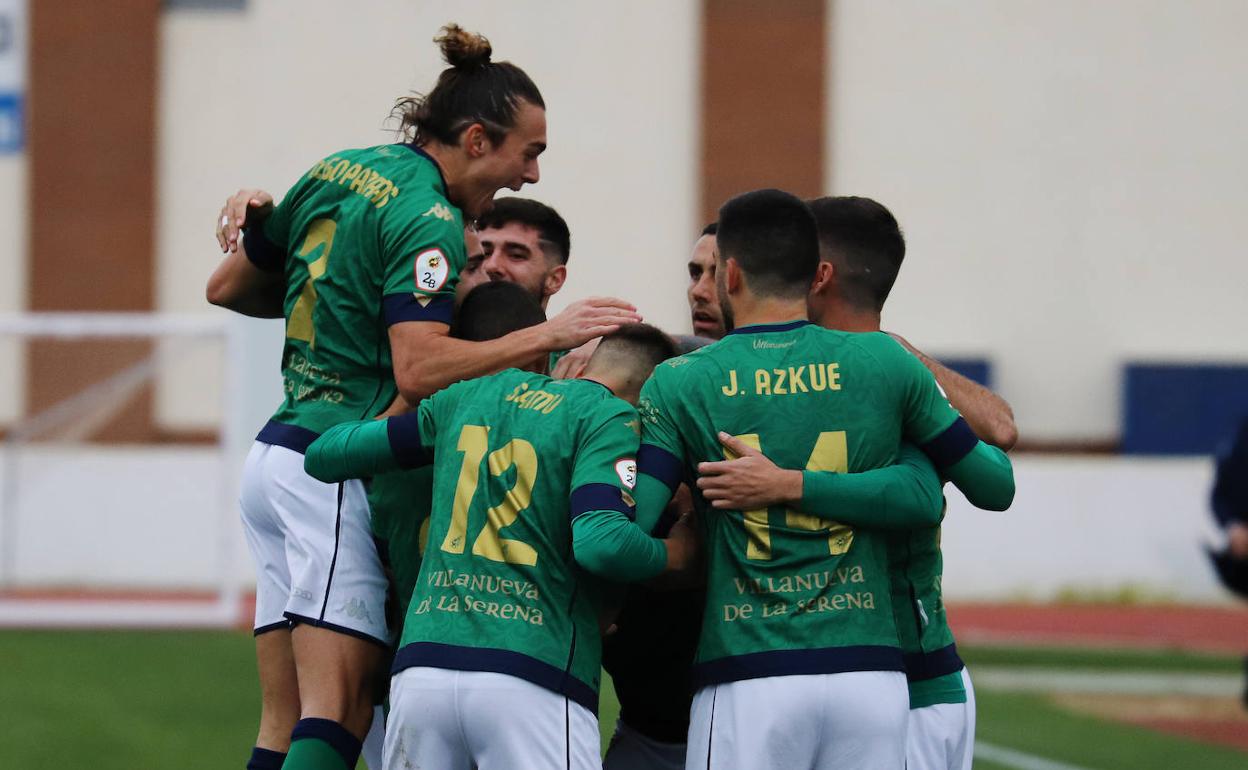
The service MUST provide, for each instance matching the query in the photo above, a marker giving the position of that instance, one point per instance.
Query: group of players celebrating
(744, 533)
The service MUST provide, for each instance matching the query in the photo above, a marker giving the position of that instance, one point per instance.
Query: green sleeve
(423, 254)
(660, 460)
(981, 472)
(652, 497)
(355, 450)
(902, 496)
(609, 545)
(351, 450)
(986, 476)
(605, 540)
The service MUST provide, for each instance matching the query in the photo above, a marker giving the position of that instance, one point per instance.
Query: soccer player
(650, 654)
(526, 242)
(704, 311)
(499, 664)
(362, 258)
(862, 248)
(798, 664)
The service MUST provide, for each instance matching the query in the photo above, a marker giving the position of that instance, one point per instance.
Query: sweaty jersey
(792, 592)
(517, 457)
(366, 239)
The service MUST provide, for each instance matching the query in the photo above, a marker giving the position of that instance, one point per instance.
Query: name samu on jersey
(366, 238)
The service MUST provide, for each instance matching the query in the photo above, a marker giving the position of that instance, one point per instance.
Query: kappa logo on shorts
(439, 211)
(356, 609)
(432, 270)
(626, 469)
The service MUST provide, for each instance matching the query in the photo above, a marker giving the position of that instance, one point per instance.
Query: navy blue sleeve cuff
(952, 445)
(660, 464)
(599, 497)
(261, 252)
(405, 307)
(404, 434)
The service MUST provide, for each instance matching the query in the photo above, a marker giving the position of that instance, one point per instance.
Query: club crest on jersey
(432, 270)
(626, 469)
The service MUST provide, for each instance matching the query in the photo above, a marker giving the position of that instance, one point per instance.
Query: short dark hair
(642, 342)
(472, 90)
(710, 229)
(864, 243)
(772, 236)
(550, 227)
(496, 309)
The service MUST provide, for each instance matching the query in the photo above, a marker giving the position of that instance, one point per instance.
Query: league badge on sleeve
(626, 469)
(432, 270)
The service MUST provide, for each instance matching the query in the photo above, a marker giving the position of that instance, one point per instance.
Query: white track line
(1019, 760)
(1109, 682)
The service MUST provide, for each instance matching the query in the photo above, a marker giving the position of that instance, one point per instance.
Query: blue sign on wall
(12, 128)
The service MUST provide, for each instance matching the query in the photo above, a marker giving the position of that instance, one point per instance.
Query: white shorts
(460, 720)
(316, 561)
(630, 750)
(942, 737)
(851, 720)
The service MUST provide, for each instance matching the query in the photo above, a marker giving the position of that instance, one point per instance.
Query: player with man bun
(362, 258)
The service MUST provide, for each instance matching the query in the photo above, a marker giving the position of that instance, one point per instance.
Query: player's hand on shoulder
(586, 319)
(573, 364)
(247, 207)
(748, 480)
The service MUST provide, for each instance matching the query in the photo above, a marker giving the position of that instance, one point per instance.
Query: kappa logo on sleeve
(432, 270)
(626, 469)
(440, 212)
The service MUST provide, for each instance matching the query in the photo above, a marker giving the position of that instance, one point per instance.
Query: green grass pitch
(126, 699)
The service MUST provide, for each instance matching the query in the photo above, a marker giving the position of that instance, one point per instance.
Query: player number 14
(831, 453)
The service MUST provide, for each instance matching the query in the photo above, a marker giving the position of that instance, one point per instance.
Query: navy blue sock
(322, 744)
(266, 759)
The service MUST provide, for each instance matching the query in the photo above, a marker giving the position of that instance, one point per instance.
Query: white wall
(13, 236)
(1070, 176)
(1078, 524)
(254, 98)
(1087, 525)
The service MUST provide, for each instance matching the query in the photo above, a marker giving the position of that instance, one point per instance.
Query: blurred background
(1068, 176)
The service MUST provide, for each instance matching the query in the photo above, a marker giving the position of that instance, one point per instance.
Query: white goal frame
(219, 608)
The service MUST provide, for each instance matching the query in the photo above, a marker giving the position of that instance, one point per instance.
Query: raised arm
(246, 283)
(427, 359)
(989, 415)
(902, 496)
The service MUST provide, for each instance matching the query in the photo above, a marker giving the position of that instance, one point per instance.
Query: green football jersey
(791, 592)
(366, 239)
(926, 639)
(400, 503)
(517, 457)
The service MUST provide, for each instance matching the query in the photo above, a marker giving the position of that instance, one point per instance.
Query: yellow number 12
(517, 453)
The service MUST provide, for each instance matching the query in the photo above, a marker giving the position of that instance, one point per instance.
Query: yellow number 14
(831, 453)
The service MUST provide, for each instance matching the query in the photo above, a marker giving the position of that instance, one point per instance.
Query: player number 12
(518, 453)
